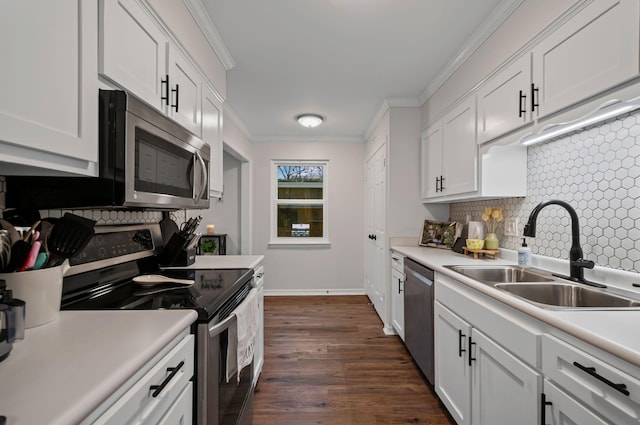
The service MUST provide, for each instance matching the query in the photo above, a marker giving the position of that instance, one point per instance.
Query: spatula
(69, 235)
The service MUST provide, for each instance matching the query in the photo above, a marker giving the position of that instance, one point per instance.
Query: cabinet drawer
(181, 413)
(606, 389)
(139, 403)
(397, 262)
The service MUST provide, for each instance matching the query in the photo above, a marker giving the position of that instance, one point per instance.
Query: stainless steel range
(102, 277)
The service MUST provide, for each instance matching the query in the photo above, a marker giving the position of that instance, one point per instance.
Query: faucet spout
(576, 263)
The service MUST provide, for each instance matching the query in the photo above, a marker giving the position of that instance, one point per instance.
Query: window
(299, 195)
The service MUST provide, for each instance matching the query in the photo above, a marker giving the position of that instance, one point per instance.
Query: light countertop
(612, 331)
(225, 262)
(63, 370)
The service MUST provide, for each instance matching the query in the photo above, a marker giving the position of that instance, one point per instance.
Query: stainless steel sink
(546, 290)
(567, 295)
(501, 274)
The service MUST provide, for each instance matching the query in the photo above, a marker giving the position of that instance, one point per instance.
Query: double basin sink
(546, 290)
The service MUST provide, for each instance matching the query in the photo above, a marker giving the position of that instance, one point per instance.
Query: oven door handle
(218, 328)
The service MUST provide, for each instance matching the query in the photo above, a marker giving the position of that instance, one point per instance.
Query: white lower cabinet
(478, 381)
(258, 353)
(160, 394)
(562, 409)
(485, 358)
(606, 387)
(397, 293)
(504, 389)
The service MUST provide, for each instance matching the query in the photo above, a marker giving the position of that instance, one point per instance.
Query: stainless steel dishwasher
(418, 316)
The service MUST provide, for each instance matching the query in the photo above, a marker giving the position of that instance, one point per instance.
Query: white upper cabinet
(449, 153)
(49, 101)
(212, 134)
(133, 50)
(185, 100)
(136, 54)
(504, 100)
(595, 50)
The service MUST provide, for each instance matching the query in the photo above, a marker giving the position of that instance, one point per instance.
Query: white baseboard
(305, 292)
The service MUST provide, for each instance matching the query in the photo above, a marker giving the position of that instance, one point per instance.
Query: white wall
(307, 270)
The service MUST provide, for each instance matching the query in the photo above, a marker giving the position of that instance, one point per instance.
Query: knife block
(176, 252)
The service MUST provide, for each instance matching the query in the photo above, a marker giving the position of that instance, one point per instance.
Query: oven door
(219, 402)
(165, 165)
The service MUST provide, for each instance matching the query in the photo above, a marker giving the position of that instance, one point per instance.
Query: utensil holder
(41, 290)
(177, 253)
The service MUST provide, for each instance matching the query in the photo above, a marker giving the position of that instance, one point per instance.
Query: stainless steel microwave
(145, 161)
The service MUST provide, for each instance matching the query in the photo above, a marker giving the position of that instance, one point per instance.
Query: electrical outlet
(511, 227)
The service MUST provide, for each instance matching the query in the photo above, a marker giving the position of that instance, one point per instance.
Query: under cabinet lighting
(309, 120)
(608, 110)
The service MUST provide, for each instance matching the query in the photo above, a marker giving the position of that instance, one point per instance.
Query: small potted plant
(491, 217)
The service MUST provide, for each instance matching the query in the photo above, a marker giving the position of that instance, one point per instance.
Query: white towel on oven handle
(243, 335)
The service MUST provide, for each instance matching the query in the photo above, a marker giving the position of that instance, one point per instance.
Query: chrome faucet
(577, 264)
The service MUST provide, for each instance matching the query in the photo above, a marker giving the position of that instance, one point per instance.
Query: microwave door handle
(217, 329)
(203, 180)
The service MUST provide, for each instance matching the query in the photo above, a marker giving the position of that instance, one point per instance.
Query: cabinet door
(133, 51)
(185, 99)
(397, 305)
(212, 134)
(453, 374)
(431, 155)
(258, 354)
(594, 51)
(181, 412)
(504, 101)
(505, 391)
(49, 101)
(459, 149)
(561, 409)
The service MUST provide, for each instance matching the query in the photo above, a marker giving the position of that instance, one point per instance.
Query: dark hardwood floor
(327, 361)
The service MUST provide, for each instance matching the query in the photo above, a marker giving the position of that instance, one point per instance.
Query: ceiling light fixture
(309, 120)
(607, 111)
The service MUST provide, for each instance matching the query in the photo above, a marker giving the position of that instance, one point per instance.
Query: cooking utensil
(19, 253)
(5, 249)
(69, 235)
(153, 279)
(45, 231)
(14, 236)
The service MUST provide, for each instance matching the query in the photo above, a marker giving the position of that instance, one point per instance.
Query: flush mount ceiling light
(309, 120)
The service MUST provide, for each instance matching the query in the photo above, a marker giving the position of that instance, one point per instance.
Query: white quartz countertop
(225, 262)
(63, 370)
(612, 331)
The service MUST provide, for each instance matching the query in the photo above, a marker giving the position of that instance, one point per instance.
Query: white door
(49, 100)
(504, 102)
(185, 100)
(380, 235)
(431, 157)
(505, 391)
(212, 134)
(453, 374)
(133, 51)
(370, 229)
(459, 149)
(594, 51)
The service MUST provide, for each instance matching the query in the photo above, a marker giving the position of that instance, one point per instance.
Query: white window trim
(293, 241)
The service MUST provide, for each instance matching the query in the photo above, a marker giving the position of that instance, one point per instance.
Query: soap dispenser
(524, 254)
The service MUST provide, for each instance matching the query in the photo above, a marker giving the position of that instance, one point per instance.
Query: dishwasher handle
(420, 277)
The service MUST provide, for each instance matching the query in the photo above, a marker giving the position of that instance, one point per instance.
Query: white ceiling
(338, 58)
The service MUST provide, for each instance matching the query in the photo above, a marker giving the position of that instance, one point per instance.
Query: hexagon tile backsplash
(597, 171)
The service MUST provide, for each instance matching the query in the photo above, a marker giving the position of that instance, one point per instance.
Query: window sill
(299, 242)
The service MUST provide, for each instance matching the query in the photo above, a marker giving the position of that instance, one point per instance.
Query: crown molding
(390, 102)
(201, 17)
(488, 27)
